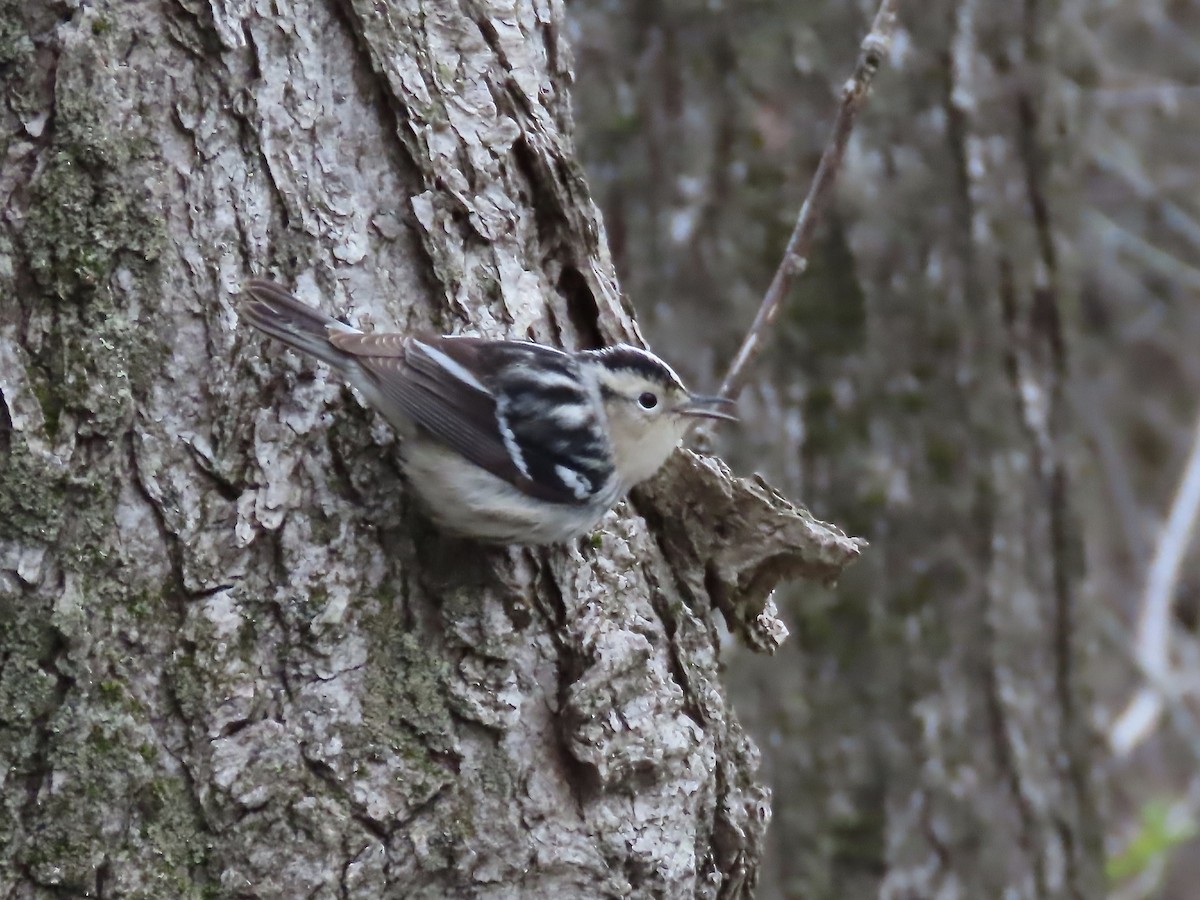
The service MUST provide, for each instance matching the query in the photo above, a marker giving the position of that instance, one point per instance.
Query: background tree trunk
(928, 730)
(234, 662)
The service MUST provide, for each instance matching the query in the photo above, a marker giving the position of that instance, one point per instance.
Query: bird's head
(648, 408)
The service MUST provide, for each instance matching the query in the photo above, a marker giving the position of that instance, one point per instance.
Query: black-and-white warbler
(505, 441)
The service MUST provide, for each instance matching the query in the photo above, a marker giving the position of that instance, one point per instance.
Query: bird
(502, 441)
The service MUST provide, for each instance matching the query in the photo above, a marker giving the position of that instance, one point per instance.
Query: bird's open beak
(709, 408)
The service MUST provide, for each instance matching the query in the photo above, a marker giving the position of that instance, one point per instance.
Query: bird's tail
(275, 312)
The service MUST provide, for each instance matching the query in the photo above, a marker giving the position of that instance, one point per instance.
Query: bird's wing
(469, 394)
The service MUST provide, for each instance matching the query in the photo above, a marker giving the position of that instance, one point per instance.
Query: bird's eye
(648, 400)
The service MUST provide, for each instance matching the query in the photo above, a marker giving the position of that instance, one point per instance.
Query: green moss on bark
(89, 208)
(32, 495)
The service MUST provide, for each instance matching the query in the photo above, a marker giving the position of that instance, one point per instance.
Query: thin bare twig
(795, 258)
(1152, 644)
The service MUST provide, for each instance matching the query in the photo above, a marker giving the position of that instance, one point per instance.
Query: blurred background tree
(989, 371)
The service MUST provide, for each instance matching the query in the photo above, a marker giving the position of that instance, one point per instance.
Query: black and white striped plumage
(505, 441)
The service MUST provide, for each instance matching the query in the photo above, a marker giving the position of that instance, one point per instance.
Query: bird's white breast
(463, 498)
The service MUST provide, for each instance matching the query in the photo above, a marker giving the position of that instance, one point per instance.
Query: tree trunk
(928, 728)
(234, 661)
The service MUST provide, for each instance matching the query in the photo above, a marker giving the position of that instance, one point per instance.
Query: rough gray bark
(233, 662)
(927, 731)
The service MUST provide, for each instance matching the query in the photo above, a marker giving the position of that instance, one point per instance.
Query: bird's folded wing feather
(444, 385)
